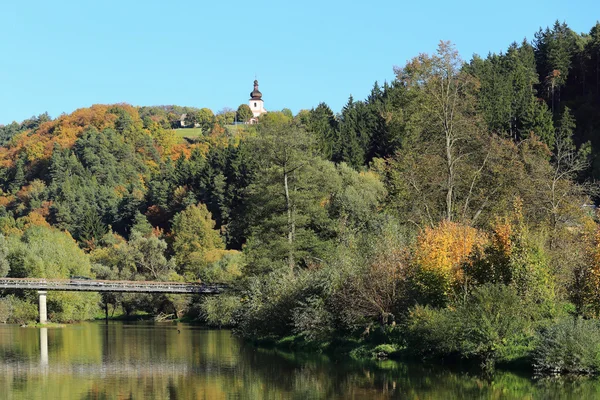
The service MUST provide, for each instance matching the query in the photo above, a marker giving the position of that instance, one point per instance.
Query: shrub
(569, 346)
(219, 311)
(19, 311)
(493, 324)
(5, 309)
(271, 302)
(312, 319)
(428, 332)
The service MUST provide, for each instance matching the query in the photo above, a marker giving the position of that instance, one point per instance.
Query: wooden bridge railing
(94, 285)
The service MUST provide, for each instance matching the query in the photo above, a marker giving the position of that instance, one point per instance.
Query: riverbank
(366, 351)
(46, 325)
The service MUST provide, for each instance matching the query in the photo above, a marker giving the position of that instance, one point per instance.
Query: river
(178, 361)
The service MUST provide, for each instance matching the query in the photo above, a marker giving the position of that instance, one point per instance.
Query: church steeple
(256, 103)
(255, 94)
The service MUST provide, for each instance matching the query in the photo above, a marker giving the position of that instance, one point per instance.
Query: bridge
(94, 285)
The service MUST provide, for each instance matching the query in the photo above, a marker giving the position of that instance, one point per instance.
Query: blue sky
(58, 56)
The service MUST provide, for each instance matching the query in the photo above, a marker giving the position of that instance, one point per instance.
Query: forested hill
(521, 91)
(458, 191)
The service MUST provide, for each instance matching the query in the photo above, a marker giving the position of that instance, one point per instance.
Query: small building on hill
(256, 103)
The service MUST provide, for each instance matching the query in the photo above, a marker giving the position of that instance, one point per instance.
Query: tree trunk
(449, 193)
(290, 221)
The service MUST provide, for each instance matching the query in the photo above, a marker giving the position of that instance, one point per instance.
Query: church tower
(256, 103)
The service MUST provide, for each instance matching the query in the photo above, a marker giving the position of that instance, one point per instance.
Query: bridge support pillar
(42, 302)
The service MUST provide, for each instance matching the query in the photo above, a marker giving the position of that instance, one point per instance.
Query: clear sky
(58, 56)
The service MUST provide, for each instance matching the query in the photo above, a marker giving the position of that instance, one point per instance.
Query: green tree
(554, 52)
(141, 225)
(286, 151)
(31, 256)
(4, 264)
(448, 141)
(92, 228)
(18, 178)
(354, 134)
(289, 217)
(206, 119)
(537, 120)
(194, 237)
(322, 123)
(226, 116)
(244, 113)
(149, 256)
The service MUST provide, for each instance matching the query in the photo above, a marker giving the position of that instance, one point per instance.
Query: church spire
(256, 94)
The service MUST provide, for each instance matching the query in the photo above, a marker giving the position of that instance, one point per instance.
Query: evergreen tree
(537, 119)
(323, 124)
(18, 178)
(92, 228)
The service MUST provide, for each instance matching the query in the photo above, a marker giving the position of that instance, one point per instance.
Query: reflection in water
(125, 360)
(44, 347)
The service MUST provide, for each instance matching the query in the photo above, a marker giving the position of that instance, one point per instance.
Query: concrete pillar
(43, 311)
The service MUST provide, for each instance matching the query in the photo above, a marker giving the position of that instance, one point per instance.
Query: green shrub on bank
(17, 311)
(312, 320)
(493, 325)
(220, 310)
(569, 346)
(381, 351)
(281, 304)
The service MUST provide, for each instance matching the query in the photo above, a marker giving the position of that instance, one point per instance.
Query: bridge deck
(83, 285)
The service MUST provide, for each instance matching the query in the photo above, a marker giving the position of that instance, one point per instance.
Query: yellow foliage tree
(441, 256)
(446, 247)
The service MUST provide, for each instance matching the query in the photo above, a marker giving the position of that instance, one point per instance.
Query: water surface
(178, 361)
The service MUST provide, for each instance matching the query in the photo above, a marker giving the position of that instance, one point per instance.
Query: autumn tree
(440, 256)
(513, 257)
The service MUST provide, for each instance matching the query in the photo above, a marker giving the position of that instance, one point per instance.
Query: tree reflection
(125, 360)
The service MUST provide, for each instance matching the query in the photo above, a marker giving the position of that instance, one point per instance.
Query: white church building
(256, 103)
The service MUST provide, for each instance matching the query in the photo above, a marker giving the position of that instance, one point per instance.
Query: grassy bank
(46, 325)
(187, 132)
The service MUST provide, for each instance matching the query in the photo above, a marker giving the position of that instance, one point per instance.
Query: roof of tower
(256, 94)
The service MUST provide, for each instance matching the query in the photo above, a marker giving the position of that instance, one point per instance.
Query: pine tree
(92, 228)
(18, 178)
(537, 119)
(323, 124)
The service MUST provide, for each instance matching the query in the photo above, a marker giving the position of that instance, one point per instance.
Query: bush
(5, 309)
(17, 311)
(428, 332)
(368, 351)
(493, 324)
(312, 320)
(569, 346)
(226, 268)
(220, 311)
(271, 303)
